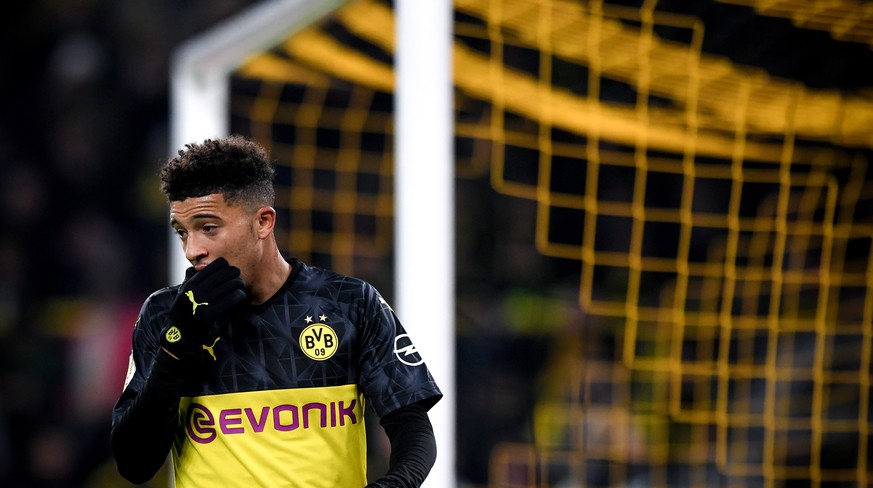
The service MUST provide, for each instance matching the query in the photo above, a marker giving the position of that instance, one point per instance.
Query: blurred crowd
(83, 130)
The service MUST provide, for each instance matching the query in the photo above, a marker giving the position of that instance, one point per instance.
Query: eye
(181, 233)
(209, 228)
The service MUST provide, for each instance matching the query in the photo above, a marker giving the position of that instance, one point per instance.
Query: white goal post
(424, 163)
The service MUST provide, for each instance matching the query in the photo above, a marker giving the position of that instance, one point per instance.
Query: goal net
(692, 237)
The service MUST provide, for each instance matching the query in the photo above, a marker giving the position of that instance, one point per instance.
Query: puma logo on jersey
(194, 304)
(211, 349)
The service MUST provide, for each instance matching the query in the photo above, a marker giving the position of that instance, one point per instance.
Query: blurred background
(663, 218)
(84, 90)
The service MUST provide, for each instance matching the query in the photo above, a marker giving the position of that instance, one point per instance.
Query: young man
(254, 371)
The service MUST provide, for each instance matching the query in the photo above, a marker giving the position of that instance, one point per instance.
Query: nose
(194, 249)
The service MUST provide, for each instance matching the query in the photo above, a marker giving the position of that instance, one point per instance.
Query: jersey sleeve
(144, 348)
(393, 373)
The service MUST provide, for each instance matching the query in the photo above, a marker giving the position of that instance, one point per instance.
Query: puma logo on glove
(194, 304)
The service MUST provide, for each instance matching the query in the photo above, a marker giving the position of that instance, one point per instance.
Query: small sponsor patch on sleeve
(405, 351)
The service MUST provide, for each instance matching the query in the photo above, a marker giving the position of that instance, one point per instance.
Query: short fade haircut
(235, 166)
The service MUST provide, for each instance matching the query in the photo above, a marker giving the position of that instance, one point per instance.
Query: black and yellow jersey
(283, 404)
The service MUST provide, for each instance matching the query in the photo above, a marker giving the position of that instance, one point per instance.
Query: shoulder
(166, 294)
(329, 281)
(158, 303)
(329, 284)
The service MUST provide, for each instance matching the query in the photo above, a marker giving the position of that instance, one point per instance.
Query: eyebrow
(199, 216)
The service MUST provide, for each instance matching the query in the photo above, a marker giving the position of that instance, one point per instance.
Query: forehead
(207, 206)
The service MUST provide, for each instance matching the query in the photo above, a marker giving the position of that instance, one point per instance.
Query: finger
(215, 266)
(191, 271)
(225, 288)
(209, 277)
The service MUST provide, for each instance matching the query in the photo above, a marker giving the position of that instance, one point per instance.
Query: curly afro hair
(235, 167)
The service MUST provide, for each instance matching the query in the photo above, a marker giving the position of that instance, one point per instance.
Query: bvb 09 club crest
(318, 341)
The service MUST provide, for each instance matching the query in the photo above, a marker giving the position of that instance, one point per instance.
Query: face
(209, 228)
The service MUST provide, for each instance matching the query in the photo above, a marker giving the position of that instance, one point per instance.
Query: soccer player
(254, 371)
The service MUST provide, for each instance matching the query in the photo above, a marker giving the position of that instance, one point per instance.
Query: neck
(273, 271)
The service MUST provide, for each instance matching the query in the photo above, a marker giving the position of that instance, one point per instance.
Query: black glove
(203, 298)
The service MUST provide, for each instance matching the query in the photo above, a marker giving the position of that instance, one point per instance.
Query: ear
(265, 221)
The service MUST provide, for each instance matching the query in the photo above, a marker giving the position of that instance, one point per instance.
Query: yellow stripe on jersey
(301, 437)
